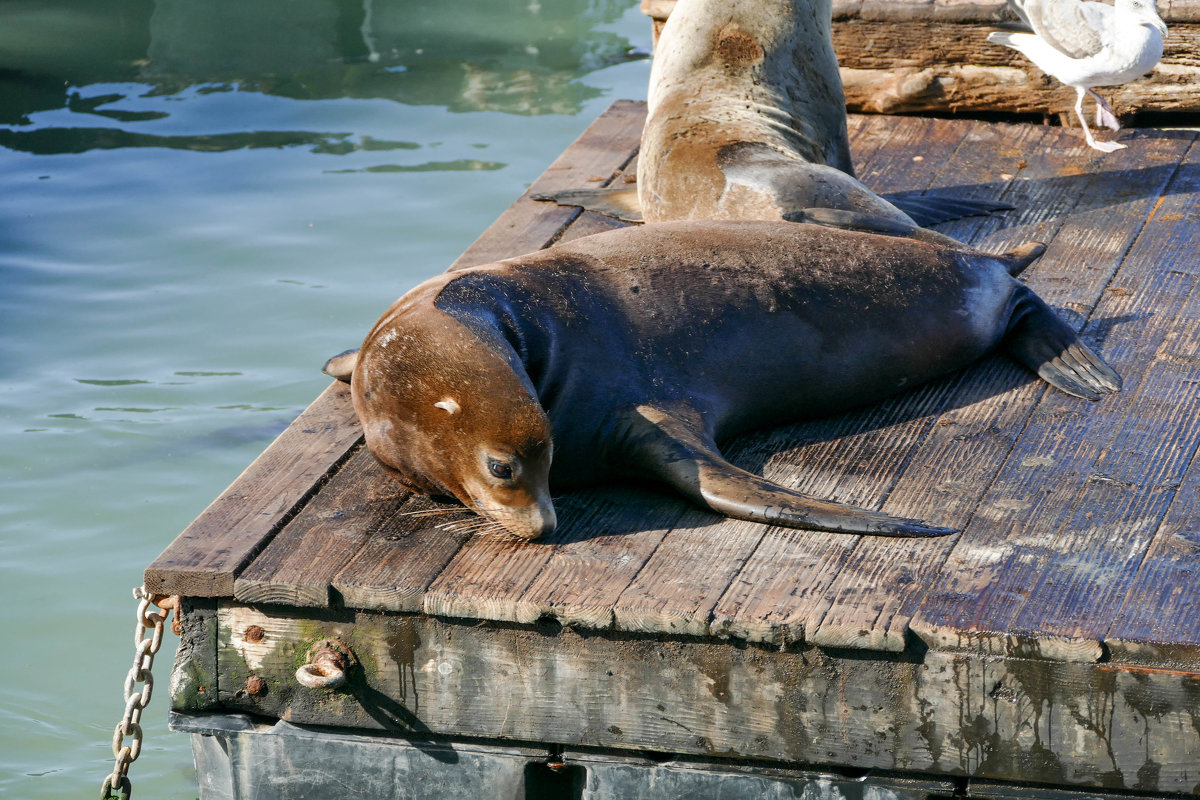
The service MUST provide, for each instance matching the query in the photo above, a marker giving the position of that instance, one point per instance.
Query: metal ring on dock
(327, 664)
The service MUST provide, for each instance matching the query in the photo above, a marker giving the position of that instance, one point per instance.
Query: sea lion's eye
(500, 470)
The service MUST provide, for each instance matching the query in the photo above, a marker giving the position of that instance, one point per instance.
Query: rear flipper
(341, 366)
(674, 452)
(928, 209)
(1048, 346)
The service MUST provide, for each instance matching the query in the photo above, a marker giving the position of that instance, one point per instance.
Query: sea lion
(747, 120)
(633, 352)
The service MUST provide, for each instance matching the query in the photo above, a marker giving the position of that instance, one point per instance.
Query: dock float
(651, 649)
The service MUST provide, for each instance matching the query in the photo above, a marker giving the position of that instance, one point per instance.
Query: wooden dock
(1054, 641)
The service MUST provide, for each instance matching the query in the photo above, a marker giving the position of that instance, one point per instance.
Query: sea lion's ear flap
(342, 365)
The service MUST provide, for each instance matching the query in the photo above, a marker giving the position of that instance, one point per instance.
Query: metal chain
(135, 701)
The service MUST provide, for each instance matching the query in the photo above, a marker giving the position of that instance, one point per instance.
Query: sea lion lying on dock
(747, 120)
(633, 352)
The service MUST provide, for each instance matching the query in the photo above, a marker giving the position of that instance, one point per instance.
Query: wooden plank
(203, 560)
(779, 594)
(293, 569)
(357, 502)
(1159, 618)
(1007, 561)
(598, 556)
(594, 159)
(871, 601)
(398, 561)
(889, 66)
(1034, 722)
(600, 530)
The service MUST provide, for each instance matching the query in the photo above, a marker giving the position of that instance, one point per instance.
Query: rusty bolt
(254, 634)
(255, 685)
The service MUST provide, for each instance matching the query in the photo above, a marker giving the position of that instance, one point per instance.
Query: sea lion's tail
(677, 454)
(1015, 261)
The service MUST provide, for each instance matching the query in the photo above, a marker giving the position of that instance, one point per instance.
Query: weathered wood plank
(217, 545)
(594, 159)
(599, 555)
(1159, 619)
(398, 561)
(1025, 530)
(296, 567)
(1039, 722)
(921, 66)
(873, 597)
(600, 530)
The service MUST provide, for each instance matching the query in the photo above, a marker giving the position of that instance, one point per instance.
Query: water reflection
(514, 56)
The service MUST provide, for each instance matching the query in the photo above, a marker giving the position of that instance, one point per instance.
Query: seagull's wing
(1069, 26)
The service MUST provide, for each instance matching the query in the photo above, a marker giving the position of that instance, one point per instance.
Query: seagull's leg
(1104, 147)
(1104, 113)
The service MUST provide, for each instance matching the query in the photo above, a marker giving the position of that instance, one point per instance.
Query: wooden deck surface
(1080, 521)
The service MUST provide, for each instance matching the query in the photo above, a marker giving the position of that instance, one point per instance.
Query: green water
(199, 202)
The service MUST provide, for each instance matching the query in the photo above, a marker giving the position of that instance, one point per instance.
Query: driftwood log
(932, 56)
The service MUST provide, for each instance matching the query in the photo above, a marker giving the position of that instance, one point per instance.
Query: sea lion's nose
(548, 516)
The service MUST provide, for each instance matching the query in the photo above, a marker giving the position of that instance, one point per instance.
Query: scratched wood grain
(992, 594)
(874, 596)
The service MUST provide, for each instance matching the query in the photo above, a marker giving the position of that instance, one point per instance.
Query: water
(200, 202)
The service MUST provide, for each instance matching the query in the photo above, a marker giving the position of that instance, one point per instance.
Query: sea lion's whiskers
(434, 512)
(479, 526)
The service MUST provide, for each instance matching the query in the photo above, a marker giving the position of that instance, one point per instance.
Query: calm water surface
(199, 202)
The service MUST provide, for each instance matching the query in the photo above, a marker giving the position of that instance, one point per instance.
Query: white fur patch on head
(448, 404)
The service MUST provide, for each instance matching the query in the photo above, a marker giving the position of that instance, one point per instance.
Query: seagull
(1086, 44)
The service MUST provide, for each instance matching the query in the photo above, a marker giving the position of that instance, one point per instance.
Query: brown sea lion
(634, 352)
(747, 120)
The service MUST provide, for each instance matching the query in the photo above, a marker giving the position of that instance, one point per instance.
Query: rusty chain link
(135, 701)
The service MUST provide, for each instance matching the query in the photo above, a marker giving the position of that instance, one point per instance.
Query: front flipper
(1041, 341)
(621, 203)
(674, 452)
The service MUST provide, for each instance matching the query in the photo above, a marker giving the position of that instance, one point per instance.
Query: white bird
(1086, 44)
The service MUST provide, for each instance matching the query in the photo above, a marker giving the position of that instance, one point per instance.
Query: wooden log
(901, 57)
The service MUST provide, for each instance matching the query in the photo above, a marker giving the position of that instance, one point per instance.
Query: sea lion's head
(446, 414)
